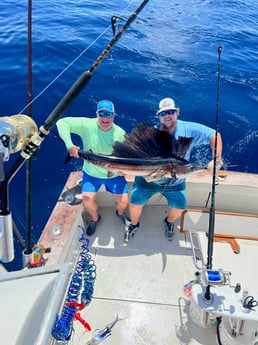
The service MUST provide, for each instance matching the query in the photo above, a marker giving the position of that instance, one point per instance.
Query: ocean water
(170, 50)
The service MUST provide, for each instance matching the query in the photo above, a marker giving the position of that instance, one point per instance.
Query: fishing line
(36, 140)
(85, 77)
(170, 180)
(69, 66)
(213, 191)
(64, 70)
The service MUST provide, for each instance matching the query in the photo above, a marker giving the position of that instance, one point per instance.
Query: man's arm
(219, 146)
(64, 132)
(219, 161)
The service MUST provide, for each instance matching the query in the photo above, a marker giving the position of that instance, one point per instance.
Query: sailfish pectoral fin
(155, 175)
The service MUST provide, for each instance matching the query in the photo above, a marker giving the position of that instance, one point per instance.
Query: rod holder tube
(6, 238)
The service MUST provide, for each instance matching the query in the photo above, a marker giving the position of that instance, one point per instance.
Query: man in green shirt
(98, 135)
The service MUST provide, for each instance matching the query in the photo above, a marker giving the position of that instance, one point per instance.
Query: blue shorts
(142, 191)
(114, 185)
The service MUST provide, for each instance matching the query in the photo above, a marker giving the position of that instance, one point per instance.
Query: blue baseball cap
(106, 105)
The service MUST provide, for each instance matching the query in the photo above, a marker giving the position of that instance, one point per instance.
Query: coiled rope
(83, 277)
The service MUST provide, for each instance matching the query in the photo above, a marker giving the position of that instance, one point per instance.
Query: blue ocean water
(170, 50)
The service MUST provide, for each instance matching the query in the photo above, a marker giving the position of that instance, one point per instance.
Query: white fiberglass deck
(142, 282)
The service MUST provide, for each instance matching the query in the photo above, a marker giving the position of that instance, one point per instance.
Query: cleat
(130, 232)
(92, 226)
(169, 230)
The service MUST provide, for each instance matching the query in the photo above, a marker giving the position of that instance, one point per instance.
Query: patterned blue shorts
(175, 194)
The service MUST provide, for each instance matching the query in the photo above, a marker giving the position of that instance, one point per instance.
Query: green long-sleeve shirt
(93, 138)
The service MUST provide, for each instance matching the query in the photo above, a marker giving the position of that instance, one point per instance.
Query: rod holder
(6, 238)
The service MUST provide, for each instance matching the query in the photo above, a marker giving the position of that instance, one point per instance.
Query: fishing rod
(35, 141)
(213, 191)
(85, 77)
(28, 240)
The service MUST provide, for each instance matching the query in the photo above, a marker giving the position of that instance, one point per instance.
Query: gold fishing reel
(15, 133)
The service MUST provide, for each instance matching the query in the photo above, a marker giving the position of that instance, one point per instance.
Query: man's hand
(73, 151)
(219, 165)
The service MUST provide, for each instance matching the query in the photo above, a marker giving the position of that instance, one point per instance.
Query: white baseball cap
(166, 104)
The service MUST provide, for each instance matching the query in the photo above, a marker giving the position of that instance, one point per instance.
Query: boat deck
(143, 281)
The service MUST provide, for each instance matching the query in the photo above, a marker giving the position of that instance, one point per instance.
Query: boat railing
(228, 228)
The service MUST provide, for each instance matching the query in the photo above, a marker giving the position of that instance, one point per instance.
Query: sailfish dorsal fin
(146, 141)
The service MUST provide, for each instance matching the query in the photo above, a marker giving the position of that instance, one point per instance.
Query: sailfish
(147, 152)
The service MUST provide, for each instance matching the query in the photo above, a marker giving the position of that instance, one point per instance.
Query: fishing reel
(214, 301)
(215, 277)
(202, 310)
(15, 132)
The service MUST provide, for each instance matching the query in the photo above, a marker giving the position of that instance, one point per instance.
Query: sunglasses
(108, 114)
(169, 112)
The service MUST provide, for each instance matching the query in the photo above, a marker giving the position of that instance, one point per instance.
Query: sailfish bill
(145, 152)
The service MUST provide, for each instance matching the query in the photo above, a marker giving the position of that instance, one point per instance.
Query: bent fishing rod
(35, 141)
(213, 190)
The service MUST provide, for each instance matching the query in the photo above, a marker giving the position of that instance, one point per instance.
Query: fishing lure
(100, 335)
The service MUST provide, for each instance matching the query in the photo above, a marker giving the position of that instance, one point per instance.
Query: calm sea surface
(170, 50)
